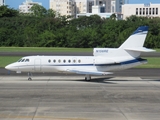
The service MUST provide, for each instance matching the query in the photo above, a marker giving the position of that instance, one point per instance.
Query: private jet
(103, 62)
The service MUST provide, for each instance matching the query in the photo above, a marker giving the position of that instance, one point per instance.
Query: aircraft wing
(89, 72)
(140, 49)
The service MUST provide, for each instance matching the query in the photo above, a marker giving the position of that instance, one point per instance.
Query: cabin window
(79, 61)
(27, 60)
(59, 61)
(54, 61)
(74, 61)
(153, 11)
(49, 61)
(64, 61)
(69, 61)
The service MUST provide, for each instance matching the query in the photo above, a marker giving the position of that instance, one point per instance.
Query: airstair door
(37, 65)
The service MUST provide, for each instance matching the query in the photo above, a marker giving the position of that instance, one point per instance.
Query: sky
(15, 3)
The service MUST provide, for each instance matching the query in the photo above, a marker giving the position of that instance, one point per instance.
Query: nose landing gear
(29, 76)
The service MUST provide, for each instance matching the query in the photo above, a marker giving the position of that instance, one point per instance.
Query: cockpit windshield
(27, 60)
(19, 60)
(23, 60)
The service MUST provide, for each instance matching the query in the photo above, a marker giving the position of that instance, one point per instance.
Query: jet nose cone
(7, 67)
(10, 67)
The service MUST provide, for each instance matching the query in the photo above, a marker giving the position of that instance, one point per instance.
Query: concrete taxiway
(72, 98)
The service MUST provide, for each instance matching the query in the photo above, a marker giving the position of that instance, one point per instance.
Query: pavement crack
(39, 101)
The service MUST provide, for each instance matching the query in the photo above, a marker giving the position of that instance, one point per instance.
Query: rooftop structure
(2, 2)
(63, 7)
(144, 10)
(25, 6)
(77, 8)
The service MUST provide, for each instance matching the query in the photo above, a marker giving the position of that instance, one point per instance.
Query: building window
(153, 11)
(136, 11)
(113, 9)
(102, 10)
(143, 11)
(146, 11)
(150, 11)
(90, 7)
(156, 11)
(140, 11)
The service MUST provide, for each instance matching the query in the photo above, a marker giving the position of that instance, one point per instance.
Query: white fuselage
(67, 63)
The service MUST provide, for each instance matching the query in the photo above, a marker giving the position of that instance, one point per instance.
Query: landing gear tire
(87, 78)
(29, 79)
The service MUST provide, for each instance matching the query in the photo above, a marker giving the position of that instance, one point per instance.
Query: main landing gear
(87, 77)
(29, 76)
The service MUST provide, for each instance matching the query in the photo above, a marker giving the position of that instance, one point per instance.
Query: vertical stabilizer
(136, 40)
(131, 48)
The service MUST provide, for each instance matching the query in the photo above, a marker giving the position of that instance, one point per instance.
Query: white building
(144, 10)
(113, 6)
(25, 7)
(81, 6)
(98, 7)
(104, 5)
(77, 8)
(2, 2)
(63, 7)
(116, 5)
(74, 7)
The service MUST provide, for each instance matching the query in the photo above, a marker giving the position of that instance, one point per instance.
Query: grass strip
(5, 60)
(44, 49)
(153, 62)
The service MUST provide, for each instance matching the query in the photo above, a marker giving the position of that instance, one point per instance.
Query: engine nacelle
(103, 60)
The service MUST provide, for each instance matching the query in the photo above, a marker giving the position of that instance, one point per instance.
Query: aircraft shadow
(104, 80)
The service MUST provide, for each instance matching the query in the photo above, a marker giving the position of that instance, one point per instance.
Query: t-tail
(134, 44)
(131, 48)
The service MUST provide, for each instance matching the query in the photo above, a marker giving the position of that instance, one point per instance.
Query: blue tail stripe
(141, 29)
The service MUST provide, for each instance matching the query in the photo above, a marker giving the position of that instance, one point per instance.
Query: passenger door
(37, 65)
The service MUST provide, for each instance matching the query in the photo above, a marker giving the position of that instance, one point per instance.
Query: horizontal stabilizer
(89, 72)
(140, 49)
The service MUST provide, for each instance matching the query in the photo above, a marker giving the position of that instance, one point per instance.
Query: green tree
(113, 16)
(38, 11)
(7, 12)
(51, 13)
(47, 39)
